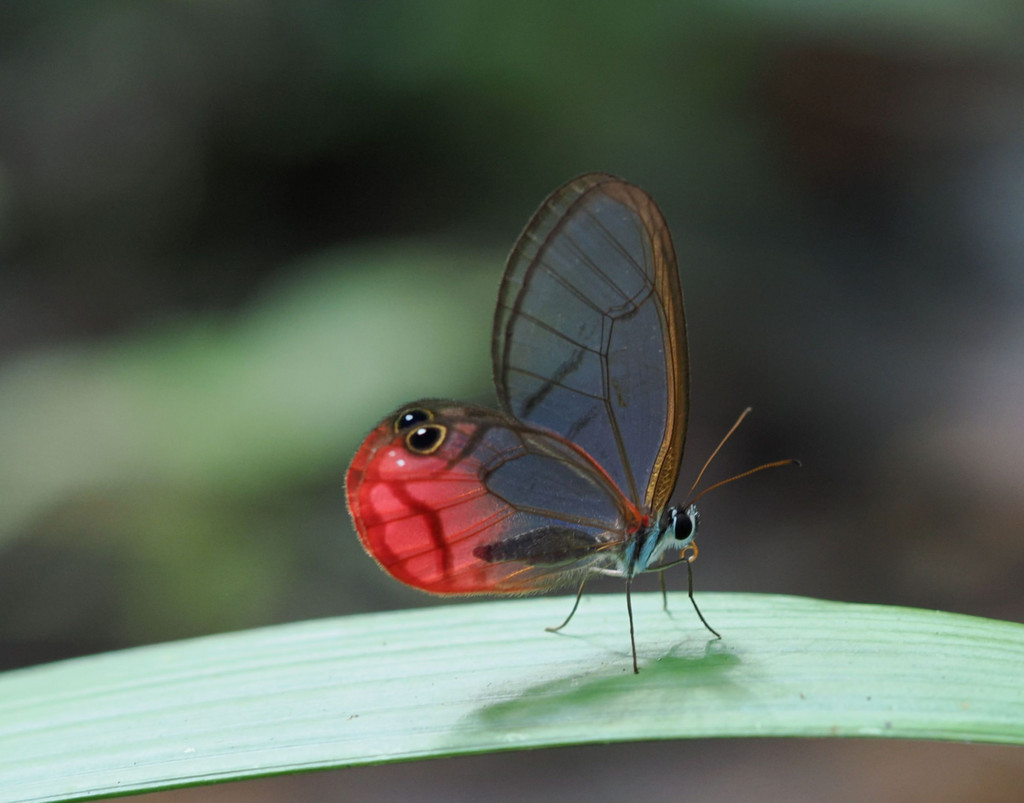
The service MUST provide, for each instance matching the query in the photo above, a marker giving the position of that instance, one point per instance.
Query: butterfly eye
(426, 440)
(412, 417)
(685, 523)
(681, 524)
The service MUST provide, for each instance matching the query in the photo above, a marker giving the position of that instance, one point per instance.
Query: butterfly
(572, 476)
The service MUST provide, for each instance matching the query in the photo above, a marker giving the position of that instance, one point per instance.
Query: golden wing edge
(668, 289)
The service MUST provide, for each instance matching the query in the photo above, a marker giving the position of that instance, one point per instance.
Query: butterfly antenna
(732, 429)
(747, 473)
(718, 448)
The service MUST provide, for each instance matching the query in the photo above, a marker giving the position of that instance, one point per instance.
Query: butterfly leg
(575, 605)
(689, 590)
(632, 637)
(688, 560)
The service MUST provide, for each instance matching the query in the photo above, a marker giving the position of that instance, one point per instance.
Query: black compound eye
(684, 528)
(412, 417)
(686, 522)
(426, 439)
(681, 523)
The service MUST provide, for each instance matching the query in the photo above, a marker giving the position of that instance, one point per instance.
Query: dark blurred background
(235, 235)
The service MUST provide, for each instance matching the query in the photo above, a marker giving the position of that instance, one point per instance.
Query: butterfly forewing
(496, 507)
(589, 336)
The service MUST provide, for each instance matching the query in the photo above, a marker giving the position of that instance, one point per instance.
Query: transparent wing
(589, 333)
(467, 500)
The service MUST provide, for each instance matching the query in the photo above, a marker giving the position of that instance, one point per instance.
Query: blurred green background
(235, 235)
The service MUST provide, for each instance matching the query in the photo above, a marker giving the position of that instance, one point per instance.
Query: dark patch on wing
(580, 423)
(563, 371)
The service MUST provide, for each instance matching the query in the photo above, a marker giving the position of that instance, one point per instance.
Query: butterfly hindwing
(468, 500)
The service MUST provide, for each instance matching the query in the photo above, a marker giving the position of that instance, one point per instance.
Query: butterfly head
(679, 526)
(676, 530)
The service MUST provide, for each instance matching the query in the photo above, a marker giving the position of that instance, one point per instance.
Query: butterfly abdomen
(545, 546)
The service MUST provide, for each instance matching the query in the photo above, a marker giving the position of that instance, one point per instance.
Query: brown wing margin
(677, 359)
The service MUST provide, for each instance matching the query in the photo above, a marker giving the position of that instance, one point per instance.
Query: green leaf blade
(471, 678)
